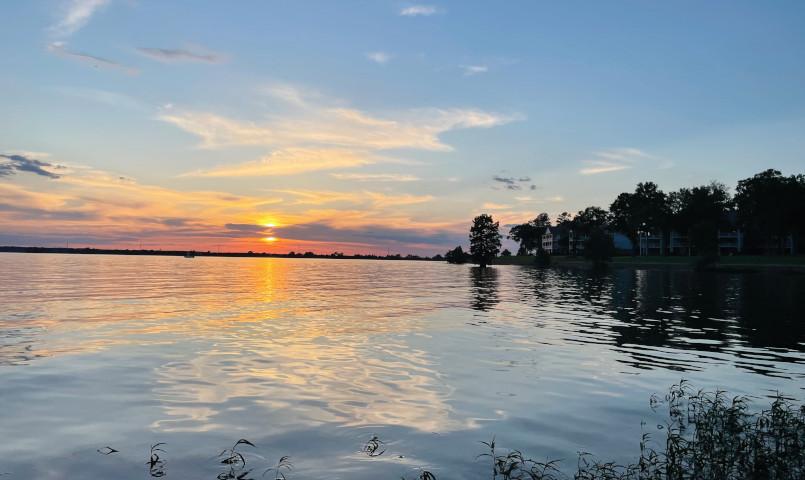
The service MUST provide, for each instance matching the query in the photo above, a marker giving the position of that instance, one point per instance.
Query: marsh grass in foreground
(708, 436)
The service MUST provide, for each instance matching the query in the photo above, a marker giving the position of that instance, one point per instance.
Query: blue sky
(374, 125)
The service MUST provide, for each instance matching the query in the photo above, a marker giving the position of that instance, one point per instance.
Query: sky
(376, 126)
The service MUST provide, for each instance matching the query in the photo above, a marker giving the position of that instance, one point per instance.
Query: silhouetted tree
(506, 253)
(590, 219)
(563, 218)
(456, 255)
(599, 247)
(484, 240)
(699, 212)
(529, 234)
(645, 209)
(770, 207)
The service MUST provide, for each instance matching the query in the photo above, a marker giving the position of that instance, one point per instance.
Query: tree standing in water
(484, 240)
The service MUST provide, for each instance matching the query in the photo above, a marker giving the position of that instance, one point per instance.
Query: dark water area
(312, 358)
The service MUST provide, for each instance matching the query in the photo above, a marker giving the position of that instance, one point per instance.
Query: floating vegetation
(373, 446)
(156, 465)
(107, 450)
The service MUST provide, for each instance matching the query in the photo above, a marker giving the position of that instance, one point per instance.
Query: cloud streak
(179, 55)
(419, 11)
(513, 183)
(471, 70)
(76, 15)
(290, 161)
(60, 49)
(376, 177)
(613, 160)
(381, 58)
(13, 163)
(337, 127)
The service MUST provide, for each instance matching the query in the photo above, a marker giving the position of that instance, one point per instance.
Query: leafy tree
(770, 207)
(700, 212)
(797, 213)
(563, 218)
(484, 240)
(529, 234)
(644, 210)
(456, 255)
(591, 218)
(506, 253)
(599, 247)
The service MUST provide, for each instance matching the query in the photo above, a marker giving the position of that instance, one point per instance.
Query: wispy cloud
(290, 161)
(13, 163)
(177, 55)
(496, 206)
(77, 14)
(530, 199)
(337, 127)
(513, 183)
(375, 177)
(368, 199)
(314, 136)
(60, 49)
(596, 167)
(292, 94)
(379, 57)
(420, 10)
(470, 70)
(613, 160)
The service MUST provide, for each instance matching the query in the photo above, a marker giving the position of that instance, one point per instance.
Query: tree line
(768, 208)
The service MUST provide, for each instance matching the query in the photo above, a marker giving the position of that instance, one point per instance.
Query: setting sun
(270, 239)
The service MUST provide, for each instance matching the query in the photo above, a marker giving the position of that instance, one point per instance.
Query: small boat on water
(190, 255)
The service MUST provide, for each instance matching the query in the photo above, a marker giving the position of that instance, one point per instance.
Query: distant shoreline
(196, 253)
(725, 263)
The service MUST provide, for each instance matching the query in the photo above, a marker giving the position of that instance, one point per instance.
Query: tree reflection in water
(484, 288)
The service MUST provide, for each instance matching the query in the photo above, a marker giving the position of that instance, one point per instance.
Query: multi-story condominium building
(654, 243)
(551, 240)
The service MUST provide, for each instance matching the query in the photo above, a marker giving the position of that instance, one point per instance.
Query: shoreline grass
(708, 435)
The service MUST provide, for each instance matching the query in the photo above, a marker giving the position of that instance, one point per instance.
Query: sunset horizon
(159, 126)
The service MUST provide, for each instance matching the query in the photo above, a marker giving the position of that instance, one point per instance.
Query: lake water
(311, 358)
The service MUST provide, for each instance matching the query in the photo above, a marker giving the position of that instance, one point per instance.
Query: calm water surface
(311, 358)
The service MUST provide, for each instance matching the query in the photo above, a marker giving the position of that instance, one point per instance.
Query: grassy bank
(742, 262)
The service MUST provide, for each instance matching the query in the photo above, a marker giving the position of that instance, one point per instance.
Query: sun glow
(270, 239)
